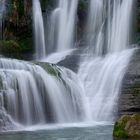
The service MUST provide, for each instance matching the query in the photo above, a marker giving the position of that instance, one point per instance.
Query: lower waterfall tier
(30, 95)
(41, 93)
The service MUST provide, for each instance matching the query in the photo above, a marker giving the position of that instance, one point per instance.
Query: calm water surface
(66, 133)
(72, 133)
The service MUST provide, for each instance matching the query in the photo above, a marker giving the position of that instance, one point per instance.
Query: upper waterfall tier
(109, 25)
(62, 26)
(40, 49)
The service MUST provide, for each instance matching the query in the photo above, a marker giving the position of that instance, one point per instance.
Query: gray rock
(129, 101)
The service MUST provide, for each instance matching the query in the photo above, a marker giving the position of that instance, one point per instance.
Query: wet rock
(50, 68)
(129, 101)
(127, 127)
(6, 123)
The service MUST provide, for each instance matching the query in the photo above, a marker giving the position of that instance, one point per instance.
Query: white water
(102, 79)
(109, 25)
(62, 26)
(119, 34)
(40, 50)
(31, 96)
(2, 8)
(61, 31)
(108, 32)
(58, 56)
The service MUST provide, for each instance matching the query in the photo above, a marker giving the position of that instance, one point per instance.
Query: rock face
(138, 20)
(127, 127)
(129, 101)
(17, 21)
(17, 26)
(6, 122)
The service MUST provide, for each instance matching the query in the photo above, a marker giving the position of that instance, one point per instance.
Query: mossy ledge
(128, 126)
(15, 48)
(50, 68)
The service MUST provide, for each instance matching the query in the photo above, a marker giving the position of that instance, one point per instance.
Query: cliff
(129, 102)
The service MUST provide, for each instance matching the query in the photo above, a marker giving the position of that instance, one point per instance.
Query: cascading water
(102, 77)
(109, 26)
(32, 96)
(2, 7)
(108, 32)
(61, 30)
(29, 95)
(40, 50)
(62, 25)
(95, 25)
(60, 33)
(107, 38)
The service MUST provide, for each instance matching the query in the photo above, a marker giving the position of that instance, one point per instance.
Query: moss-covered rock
(9, 47)
(50, 68)
(26, 45)
(127, 127)
(16, 48)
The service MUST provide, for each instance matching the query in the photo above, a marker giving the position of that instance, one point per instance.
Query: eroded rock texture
(129, 101)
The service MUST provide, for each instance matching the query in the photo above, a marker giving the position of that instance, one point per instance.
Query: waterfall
(40, 50)
(34, 95)
(31, 96)
(2, 7)
(108, 40)
(60, 31)
(108, 50)
(109, 25)
(102, 78)
(62, 25)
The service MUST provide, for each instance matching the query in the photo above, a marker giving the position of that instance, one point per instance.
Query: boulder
(128, 126)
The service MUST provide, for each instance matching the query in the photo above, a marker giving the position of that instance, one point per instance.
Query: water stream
(62, 26)
(39, 34)
(108, 55)
(34, 96)
(31, 96)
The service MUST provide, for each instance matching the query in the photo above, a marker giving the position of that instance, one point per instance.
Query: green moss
(16, 48)
(50, 68)
(44, 2)
(119, 128)
(127, 127)
(20, 8)
(119, 131)
(82, 5)
(136, 117)
(26, 45)
(9, 47)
